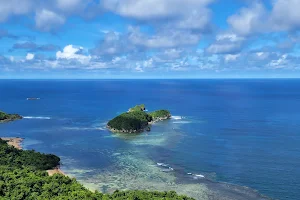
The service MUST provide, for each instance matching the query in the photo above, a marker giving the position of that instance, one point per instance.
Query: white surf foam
(165, 167)
(177, 117)
(31, 117)
(199, 176)
(84, 128)
(181, 122)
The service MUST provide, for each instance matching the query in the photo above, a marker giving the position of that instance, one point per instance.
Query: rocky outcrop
(9, 117)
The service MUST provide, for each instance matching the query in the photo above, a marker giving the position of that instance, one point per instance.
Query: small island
(136, 120)
(4, 117)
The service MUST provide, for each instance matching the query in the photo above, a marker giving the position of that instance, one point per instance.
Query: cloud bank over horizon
(149, 38)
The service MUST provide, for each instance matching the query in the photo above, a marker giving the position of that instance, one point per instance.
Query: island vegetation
(23, 176)
(137, 108)
(136, 120)
(4, 117)
(160, 115)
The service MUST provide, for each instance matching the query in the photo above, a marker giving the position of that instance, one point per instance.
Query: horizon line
(214, 78)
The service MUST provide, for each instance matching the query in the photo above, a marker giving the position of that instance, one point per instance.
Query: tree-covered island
(4, 117)
(136, 120)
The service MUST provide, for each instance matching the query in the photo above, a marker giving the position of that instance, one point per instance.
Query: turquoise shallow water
(223, 132)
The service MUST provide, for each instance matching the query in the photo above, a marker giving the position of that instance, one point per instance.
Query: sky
(116, 39)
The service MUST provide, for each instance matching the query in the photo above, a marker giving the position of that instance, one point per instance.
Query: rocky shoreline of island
(4, 117)
(136, 120)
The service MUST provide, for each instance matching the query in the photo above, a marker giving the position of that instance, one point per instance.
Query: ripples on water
(132, 168)
(244, 132)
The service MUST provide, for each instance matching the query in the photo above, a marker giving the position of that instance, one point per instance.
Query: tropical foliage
(160, 114)
(22, 177)
(9, 117)
(138, 108)
(3, 115)
(136, 119)
(10, 156)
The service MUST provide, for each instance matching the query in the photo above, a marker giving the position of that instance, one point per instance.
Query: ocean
(227, 139)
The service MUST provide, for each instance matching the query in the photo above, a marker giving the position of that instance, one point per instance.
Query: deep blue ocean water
(242, 132)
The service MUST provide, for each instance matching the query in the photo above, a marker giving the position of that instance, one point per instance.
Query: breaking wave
(84, 128)
(31, 117)
(177, 117)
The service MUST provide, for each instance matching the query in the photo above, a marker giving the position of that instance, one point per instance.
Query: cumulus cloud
(47, 20)
(164, 39)
(195, 20)
(70, 5)
(188, 14)
(231, 57)
(248, 20)
(279, 63)
(72, 53)
(113, 44)
(14, 7)
(284, 16)
(226, 43)
(153, 9)
(134, 41)
(29, 56)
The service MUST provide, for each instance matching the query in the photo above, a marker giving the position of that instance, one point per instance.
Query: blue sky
(149, 39)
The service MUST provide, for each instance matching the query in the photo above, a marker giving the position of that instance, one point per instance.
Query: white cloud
(12, 59)
(47, 20)
(284, 16)
(153, 9)
(262, 55)
(112, 44)
(29, 56)
(139, 68)
(187, 14)
(14, 7)
(172, 53)
(226, 43)
(72, 53)
(196, 19)
(230, 37)
(248, 20)
(69, 4)
(279, 63)
(164, 39)
(231, 57)
(148, 63)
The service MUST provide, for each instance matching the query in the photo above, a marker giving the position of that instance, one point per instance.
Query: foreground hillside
(23, 176)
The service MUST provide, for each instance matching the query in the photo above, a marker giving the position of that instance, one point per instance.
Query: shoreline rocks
(9, 117)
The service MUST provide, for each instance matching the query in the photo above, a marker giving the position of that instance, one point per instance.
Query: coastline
(17, 143)
(56, 170)
(10, 118)
(14, 141)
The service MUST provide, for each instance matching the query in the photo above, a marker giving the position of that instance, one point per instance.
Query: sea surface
(227, 139)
